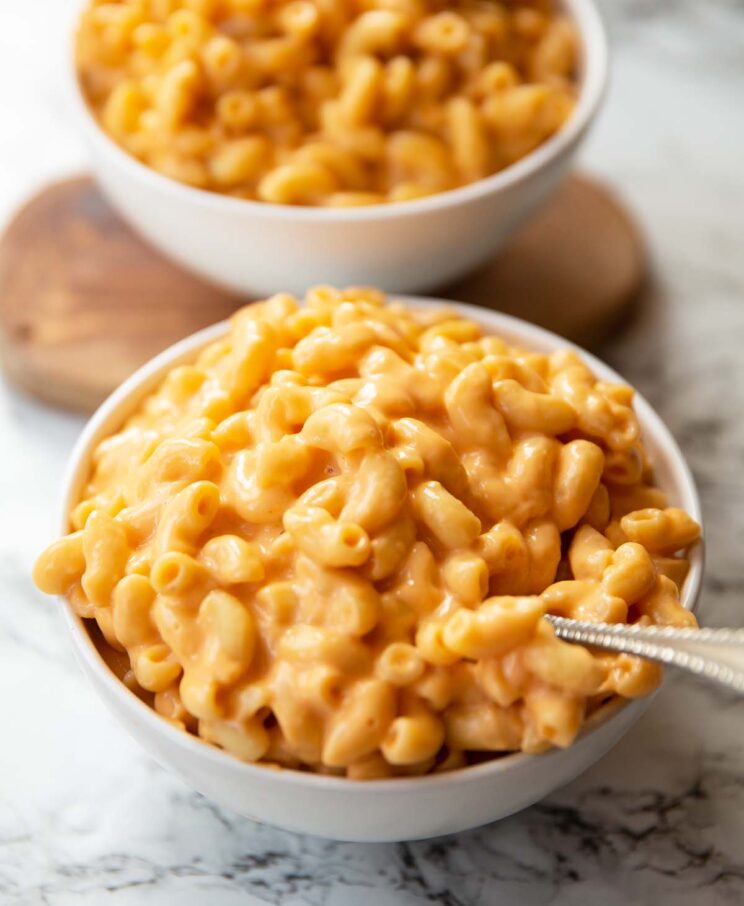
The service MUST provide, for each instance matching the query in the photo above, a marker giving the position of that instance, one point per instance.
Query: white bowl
(399, 809)
(257, 248)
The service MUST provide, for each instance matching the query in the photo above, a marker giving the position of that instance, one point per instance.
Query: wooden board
(84, 301)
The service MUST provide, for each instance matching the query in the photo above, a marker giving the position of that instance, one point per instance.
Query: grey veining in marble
(87, 818)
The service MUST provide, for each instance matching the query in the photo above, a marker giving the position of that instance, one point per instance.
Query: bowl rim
(120, 404)
(593, 86)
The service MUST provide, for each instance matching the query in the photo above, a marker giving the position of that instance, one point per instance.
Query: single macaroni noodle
(330, 542)
(328, 102)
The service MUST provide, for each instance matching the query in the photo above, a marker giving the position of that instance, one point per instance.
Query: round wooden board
(84, 301)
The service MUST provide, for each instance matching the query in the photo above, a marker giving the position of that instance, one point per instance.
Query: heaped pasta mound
(328, 102)
(331, 541)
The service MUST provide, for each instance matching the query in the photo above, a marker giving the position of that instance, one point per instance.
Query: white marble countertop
(87, 818)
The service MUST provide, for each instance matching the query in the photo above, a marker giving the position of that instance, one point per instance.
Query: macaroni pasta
(327, 102)
(330, 543)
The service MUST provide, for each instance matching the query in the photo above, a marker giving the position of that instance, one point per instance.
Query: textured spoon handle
(716, 654)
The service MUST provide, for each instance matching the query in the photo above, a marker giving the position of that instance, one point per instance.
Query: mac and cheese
(331, 541)
(327, 102)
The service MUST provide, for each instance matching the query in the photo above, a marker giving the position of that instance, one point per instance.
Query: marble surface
(87, 818)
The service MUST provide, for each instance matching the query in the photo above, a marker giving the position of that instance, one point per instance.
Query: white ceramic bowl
(257, 248)
(399, 809)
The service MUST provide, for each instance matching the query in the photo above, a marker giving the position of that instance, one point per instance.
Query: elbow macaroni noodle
(330, 542)
(328, 102)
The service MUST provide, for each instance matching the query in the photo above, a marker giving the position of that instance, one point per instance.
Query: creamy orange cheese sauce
(330, 542)
(328, 102)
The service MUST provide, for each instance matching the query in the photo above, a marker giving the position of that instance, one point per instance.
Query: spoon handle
(714, 654)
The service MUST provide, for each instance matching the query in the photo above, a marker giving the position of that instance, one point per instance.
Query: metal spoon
(715, 654)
